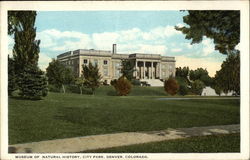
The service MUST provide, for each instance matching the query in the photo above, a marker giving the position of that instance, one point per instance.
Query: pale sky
(149, 32)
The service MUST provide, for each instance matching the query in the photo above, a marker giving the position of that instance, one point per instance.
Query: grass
(206, 144)
(70, 115)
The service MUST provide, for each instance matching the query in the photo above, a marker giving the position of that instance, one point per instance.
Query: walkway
(79, 144)
(192, 98)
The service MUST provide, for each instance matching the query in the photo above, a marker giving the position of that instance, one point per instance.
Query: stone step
(153, 82)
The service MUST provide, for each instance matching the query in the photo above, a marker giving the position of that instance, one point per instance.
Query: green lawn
(70, 115)
(206, 144)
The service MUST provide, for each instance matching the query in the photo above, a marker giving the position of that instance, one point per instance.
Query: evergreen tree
(59, 75)
(12, 79)
(32, 83)
(91, 76)
(221, 26)
(128, 69)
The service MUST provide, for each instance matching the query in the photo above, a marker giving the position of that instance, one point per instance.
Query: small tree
(171, 86)
(33, 83)
(123, 86)
(59, 75)
(91, 76)
(128, 69)
(80, 82)
(197, 86)
(12, 81)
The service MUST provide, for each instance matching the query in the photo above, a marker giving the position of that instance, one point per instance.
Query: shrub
(123, 86)
(72, 88)
(113, 82)
(136, 82)
(171, 86)
(53, 88)
(183, 90)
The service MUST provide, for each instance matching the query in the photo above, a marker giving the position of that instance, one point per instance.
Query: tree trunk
(63, 88)
(81, 90)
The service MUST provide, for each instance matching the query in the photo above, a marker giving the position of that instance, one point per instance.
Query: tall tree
(228, 77)
(31, 80)
(92, 77)
(26, 48)
(12, 78)
(128, 69)
(59, 75)
(221, 26)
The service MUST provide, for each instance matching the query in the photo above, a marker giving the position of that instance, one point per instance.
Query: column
(152, 73)
(144, 69)
(135, 69)
(156, 69)
(160, 70)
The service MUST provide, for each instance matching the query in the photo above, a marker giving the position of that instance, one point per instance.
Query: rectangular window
(105, 62)
(85, 61)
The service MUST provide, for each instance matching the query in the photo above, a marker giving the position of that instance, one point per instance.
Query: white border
(135, 5)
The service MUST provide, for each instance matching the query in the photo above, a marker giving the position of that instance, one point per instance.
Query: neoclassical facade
(147, 66)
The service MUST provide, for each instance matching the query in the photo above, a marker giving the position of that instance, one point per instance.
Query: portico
(147, 69)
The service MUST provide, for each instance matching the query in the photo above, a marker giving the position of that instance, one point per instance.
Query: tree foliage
(80, 83)
(128, 69)
(58, 74)
(182, 72)
(123, 86)
(32, 83)
(228, 77)
(12, 78)
(202, 75)
(91, 76)
(171, 86)
(26, 48)
(197, 87)
(183, 90)
(221, 26)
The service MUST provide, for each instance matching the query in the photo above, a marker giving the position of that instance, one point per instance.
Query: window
(85, 61)
(105, 62)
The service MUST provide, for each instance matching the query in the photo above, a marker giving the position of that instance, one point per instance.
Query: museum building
(147, 66)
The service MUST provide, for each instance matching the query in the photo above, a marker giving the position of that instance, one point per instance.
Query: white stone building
(148, 66)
